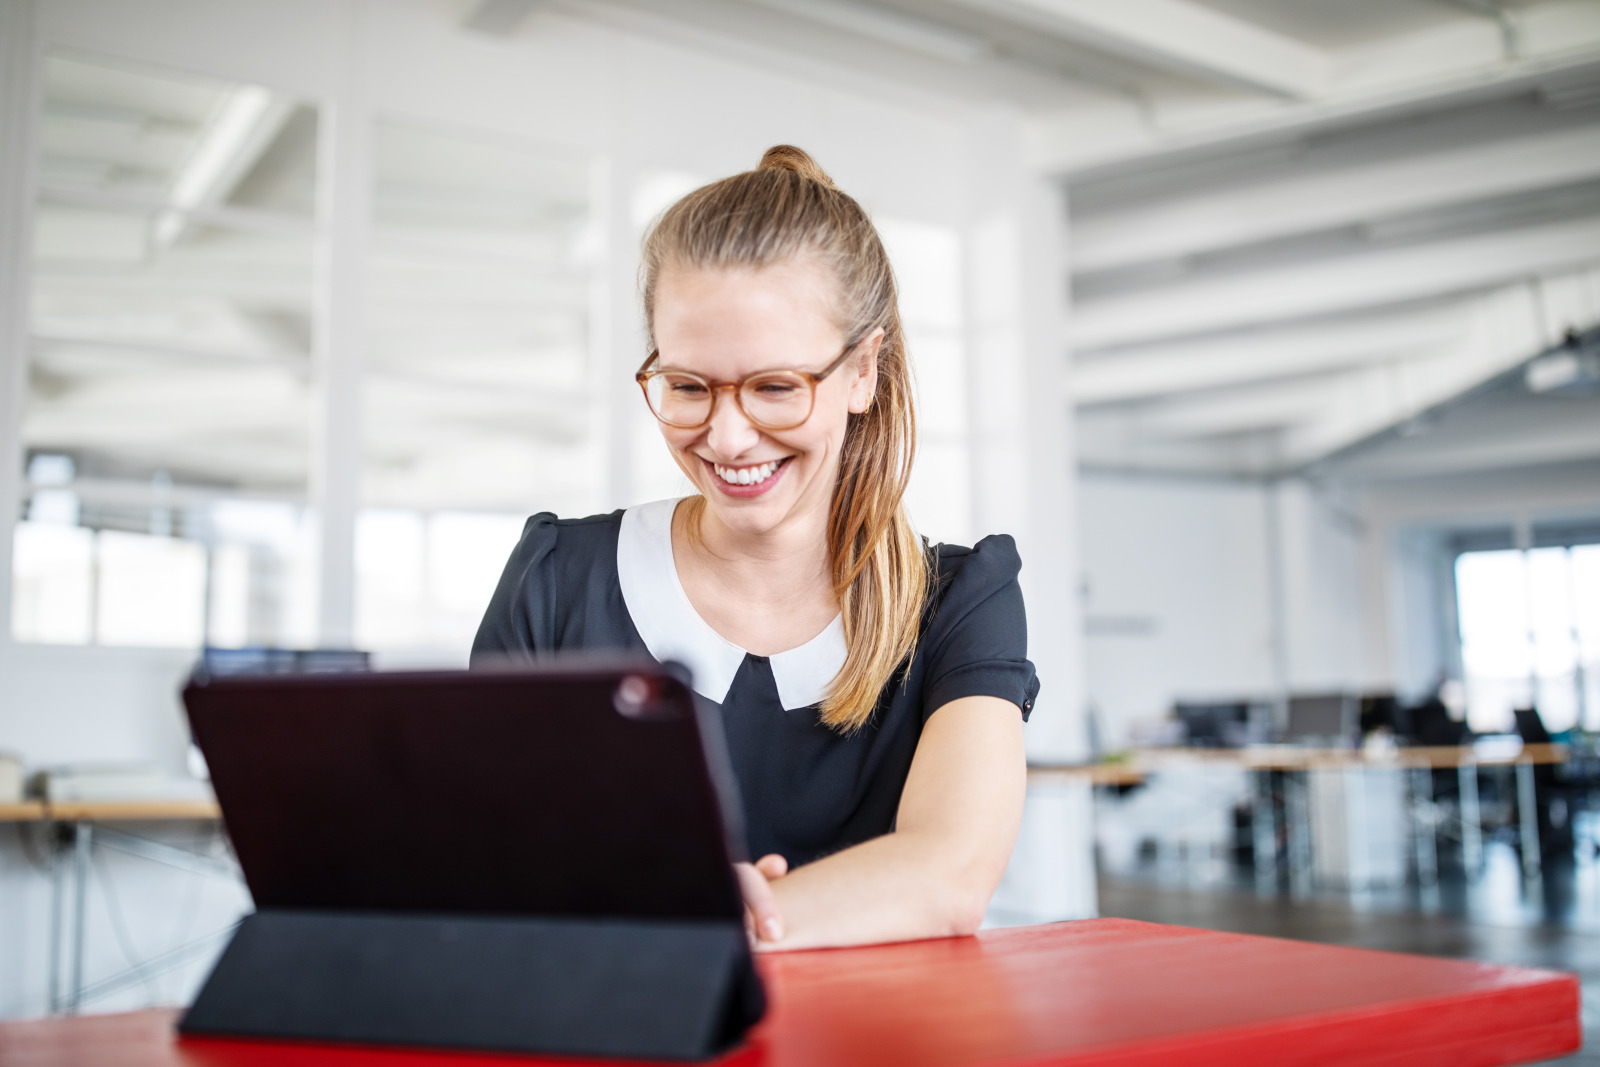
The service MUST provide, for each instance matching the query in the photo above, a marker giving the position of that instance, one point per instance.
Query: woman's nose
(729, 432)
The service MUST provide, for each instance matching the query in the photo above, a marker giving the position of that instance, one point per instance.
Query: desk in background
(1100, 992)
(76, 825)
(1294, 763)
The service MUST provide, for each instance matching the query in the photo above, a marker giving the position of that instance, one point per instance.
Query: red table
(1099, 992)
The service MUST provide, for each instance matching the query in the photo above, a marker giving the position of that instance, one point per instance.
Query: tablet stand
(626, 988)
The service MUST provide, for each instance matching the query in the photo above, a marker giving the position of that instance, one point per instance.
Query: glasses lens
(779, 400)
(678, 399)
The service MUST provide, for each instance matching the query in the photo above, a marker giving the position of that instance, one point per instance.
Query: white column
(1024, 479)
(619, 343)
(1024, 473)
(18, 100)
(344, 205)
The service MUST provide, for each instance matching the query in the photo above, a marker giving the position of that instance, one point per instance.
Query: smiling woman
(872, 688)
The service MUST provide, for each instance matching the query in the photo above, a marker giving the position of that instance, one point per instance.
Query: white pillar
(18, 100)
(344, 204)
(1024, 479)
(618, 345)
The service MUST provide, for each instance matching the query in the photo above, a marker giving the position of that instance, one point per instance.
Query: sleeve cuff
(1012, 680)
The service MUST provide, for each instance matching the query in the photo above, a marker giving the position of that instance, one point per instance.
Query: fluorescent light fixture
(1564, 371)
(239, 130)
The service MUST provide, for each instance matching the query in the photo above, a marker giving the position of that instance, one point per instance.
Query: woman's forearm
(933, 875)
(898, 887)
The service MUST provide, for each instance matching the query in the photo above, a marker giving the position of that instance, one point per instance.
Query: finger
(747, 876)
(760, 901)
(773, 866)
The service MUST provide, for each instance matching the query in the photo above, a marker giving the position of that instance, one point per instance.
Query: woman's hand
(933, 875)
(762, 919)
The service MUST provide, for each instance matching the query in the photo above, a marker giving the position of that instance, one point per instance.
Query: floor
(1494, 918)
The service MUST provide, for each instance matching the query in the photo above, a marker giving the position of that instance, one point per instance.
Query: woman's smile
(748, 480)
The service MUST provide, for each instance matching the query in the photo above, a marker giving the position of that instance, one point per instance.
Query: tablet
(597, 788)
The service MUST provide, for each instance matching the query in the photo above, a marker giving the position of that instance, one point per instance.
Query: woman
(873, 690)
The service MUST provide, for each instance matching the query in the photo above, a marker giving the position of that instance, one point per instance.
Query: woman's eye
(686, 389)
(775, 390)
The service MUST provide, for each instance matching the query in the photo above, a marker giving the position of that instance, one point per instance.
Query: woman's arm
(933, 876)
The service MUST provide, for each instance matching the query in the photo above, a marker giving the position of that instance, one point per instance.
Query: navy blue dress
(807, 790)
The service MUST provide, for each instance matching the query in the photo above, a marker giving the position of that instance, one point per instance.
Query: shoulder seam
(587, 520)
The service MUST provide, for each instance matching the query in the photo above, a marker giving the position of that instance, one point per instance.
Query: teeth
(746, 475)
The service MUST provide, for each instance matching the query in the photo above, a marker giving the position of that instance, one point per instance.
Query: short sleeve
(518, 612)
(977, 641)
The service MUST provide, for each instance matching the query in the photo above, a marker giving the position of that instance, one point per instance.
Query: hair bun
(788, 157)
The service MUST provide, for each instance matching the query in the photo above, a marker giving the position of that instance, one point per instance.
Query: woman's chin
(742, 511)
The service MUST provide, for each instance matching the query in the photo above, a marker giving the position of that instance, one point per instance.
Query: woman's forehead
(792, 286)
(734, 321)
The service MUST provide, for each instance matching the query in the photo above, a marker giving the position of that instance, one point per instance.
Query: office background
(1266, 326)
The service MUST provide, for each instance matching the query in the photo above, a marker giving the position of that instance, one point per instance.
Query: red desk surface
(1098, 992)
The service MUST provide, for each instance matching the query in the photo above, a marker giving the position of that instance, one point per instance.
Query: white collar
(673, 630)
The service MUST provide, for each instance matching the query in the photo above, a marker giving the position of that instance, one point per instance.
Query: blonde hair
(785, 209)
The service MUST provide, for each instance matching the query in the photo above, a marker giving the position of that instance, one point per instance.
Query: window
(1530, 634)
(52, 593)
(927, 266)
(423, 580)
(479, 398)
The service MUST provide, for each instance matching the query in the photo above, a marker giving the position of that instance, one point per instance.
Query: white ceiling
(174, 287)
(1295, 225)
(1255, 308)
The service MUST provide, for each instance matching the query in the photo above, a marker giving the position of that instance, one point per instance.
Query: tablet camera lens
(634, 696)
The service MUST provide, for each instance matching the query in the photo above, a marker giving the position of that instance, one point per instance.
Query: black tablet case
(532, 861)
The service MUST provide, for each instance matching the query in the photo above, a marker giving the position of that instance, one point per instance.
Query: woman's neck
(766, 592)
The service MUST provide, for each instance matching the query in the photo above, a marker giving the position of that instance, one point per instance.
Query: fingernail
(772, 929)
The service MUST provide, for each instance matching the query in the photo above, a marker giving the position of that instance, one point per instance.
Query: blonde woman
(873, 689)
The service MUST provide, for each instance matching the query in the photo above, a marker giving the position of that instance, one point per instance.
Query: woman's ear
(863, 371)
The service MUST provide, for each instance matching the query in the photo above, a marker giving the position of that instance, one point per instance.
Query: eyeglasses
(770, 399)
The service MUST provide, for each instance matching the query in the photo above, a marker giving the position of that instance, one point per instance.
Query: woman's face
(726, 324)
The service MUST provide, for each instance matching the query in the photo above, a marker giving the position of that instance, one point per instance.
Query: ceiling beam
(1262, 355)
(1255, 408)
(1384, 276)
(499, 18)
(1321, 199)
(1311, 418)
(889, 27)
(1509, 328)
(1378, 399)
(1076, 152)
(1516, 434)
(1180, 36)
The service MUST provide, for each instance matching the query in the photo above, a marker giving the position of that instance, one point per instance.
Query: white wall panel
(1176, 596)
(1324, 595)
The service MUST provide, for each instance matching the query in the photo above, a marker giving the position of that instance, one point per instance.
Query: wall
(1198, 589)
(1183, 598)
(1176, 593)
(61, 704)
(1333, 621)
